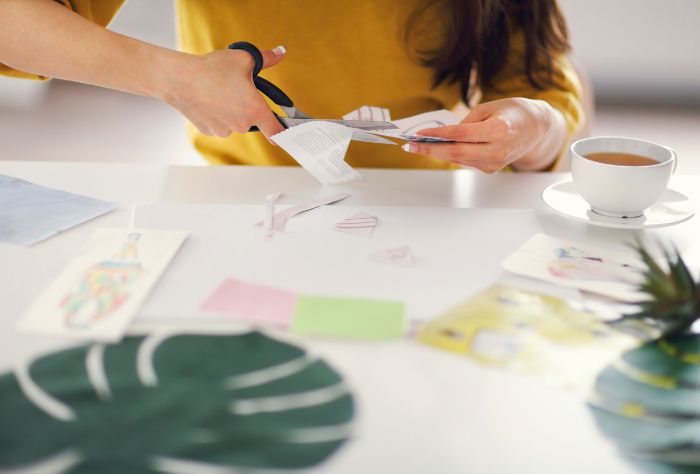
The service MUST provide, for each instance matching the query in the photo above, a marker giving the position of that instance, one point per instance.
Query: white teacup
(621, 190)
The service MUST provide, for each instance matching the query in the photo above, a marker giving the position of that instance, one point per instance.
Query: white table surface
(419, 409)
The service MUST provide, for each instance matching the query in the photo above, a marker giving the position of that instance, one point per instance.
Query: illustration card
(612, 272)
(99, 291)
(528, 332)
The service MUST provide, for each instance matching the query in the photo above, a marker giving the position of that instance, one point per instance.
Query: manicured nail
(279, 50)
(407, 147)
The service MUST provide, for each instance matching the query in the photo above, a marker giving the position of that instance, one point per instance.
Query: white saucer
(672, 208)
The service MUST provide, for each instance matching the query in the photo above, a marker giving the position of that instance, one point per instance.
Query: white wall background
(638, 50)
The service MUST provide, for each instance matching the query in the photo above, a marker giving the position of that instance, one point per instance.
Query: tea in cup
(619, 176)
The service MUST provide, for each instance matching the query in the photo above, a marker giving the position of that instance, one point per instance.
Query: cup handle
(675, 158)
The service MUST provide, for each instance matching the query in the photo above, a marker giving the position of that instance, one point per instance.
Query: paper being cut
(97, 293)
(30, 213)
(279, 220)
(369, 112)
(320, 148)
(407, 127)
(612, 272)
(361, 224)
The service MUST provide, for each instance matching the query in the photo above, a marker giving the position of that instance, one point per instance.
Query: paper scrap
(320, 148)
(369, 112)
(610, 271)
(529, 332)
(30, 213)
(97, 293)
(361, 224)
(402, 256)
(349, 317)
(253, 302)
(270, 201)
(279, 220)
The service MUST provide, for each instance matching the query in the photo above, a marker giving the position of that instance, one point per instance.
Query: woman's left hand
(523, 132)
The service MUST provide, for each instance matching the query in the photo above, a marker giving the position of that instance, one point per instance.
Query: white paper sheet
(30, 213)
(610, 271)
(98, 292)
(312, 258)
(320, 148)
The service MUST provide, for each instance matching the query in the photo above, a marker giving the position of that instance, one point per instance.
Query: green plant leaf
(155, 404)
(673, 297)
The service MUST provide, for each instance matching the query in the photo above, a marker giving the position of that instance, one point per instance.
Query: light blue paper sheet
(30, 213)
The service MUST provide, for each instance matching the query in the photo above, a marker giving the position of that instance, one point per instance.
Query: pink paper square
(255, 303)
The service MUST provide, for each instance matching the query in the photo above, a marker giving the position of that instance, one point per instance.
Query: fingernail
(407, 147)
(279, 50)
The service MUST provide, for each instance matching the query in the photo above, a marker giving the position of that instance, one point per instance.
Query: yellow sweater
(341, 54)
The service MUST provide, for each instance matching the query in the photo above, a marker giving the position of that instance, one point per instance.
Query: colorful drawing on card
(578, 264)
(612, 271)
(99, 291)
(104, 287)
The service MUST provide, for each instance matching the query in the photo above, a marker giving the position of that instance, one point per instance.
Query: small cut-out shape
(402, 256)
(360, 224)
(279, 219)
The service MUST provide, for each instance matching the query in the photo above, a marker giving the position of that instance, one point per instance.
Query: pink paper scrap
(402, 256)
(252, 302)
(361, 224)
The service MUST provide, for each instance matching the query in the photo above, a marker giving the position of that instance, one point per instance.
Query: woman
(410, 56)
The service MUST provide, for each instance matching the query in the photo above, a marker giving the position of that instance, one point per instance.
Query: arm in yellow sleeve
(68, 40)
(214, 91)
(564, 94)
(100, 12)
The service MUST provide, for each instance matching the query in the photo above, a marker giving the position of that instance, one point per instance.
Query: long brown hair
(477, 34)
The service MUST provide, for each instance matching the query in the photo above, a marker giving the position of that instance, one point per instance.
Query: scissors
(294, 115)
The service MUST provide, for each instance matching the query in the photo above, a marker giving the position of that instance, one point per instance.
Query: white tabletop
(419, 409)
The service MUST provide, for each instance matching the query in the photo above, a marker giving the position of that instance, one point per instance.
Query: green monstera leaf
(178, 403)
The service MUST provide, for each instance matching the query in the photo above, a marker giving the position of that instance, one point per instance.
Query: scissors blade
(360, 124)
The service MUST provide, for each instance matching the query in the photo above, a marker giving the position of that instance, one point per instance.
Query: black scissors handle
(262, 84)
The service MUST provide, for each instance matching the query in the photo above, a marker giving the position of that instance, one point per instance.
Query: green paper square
(348, 317)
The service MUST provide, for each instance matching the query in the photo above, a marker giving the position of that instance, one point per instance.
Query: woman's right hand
(216, 93)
